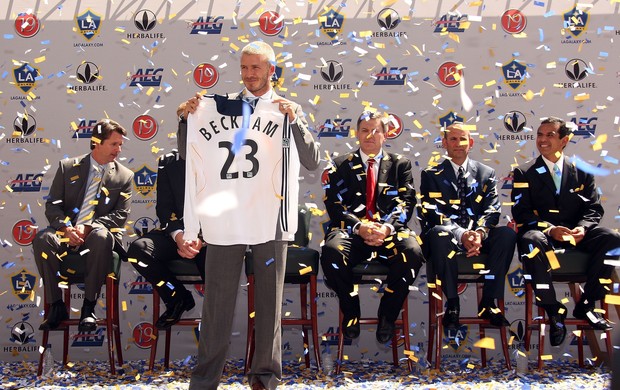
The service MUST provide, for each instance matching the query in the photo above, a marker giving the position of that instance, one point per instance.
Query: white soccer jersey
(238, 198)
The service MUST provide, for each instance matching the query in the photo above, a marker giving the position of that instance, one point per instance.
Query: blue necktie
(461, 183)
(557, 177)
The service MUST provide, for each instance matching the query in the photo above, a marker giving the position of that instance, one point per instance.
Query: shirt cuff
(173, 235)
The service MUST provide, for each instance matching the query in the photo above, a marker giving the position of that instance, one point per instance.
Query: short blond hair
(260, 48)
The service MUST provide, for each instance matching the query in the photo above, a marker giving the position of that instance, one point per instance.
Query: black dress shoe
(494, 315)
(173, 312)
(88, 320)
(350, 327)
(557, 329)
(595, 319)
(450, 319)
(385, 330)
(57, 314)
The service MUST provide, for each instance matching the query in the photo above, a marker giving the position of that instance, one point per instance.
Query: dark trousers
(99, 244)
(152, 251)
(597, 242)
(439, 242)
(342, 252)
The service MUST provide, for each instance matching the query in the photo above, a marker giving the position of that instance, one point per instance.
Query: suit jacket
(345, 195)
(170, 192)
(68, 189)
(536, 205)
(438, 188)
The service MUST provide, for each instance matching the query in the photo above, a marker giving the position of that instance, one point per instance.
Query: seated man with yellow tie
(87, 207)
(556, 205)
(369, 199)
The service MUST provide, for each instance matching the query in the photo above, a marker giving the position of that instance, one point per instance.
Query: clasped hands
(472, 242)
(373, 233)
(76, 234)
(562, 233)
(188, 249)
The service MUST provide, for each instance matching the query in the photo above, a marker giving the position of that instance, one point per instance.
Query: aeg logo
(27, 182)
(393, 75)
(337, 127)
(84, 129)
(146, 77)
(449, 22)
(207, 25)
(586, 126)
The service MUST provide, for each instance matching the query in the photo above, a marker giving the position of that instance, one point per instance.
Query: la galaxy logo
(514, 74)
(146, 77)
(337, 127)
(84, 129)
(207, 25)
(27, 182)
(457, 339)
(393, 75)
(576, 21)
(88, 24)
(23, 282)
(449, 119)
(516, 281)
(25, 77)
(143, 225)
(144, 180)
(331, 23)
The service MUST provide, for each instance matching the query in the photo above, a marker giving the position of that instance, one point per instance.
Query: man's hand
(373, 233)
(187, 249)
(190, 106)
(472, 242)
(287, 107)
(562, 233)
(74, 234)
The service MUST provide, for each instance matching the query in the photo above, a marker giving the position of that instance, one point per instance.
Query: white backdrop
(335, 59)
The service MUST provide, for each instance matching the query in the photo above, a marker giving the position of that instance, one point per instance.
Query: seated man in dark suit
(460, 212)
(369, 210)
(556, 205)
(152, 250)
(87, 207)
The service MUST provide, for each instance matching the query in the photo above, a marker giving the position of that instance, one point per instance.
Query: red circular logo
(513, 21)
(24, 232)
(206, 76)
(27, 25)
(144, 127)
(460, 288)
(270, 23)
(395, 126)
(446, 73)
(142, 333)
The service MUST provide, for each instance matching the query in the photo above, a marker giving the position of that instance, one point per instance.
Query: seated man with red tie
(370, 198)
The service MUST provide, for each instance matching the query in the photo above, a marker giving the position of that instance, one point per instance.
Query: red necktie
(371, 185)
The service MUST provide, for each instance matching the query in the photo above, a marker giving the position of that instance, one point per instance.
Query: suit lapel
(384, 168)
(544, 174)
(449, 180)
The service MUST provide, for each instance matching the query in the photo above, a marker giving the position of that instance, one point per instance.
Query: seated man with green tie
(87, 207)
(556, 205)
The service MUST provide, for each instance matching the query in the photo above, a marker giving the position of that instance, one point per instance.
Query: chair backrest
(303, 227)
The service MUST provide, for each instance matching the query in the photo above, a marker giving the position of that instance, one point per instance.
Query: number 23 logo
(225, 174)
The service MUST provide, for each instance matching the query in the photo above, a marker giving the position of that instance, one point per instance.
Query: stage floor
(356, 375)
